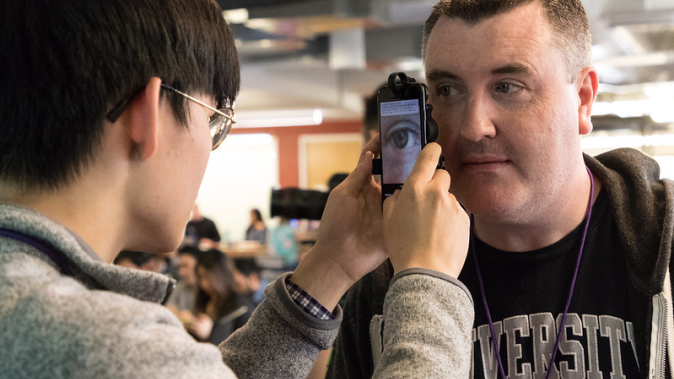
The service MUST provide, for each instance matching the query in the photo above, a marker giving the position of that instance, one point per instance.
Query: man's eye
(401, 139)
(507, 88)
(447, 91)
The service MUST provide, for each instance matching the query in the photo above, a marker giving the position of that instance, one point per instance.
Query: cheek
(447, 131)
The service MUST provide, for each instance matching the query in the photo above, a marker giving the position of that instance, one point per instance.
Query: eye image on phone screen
(400, 138)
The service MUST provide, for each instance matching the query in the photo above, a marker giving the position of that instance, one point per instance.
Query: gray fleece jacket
(107, 322)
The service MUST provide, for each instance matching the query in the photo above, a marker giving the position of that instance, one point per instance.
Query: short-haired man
(108, 112)
(570, 255)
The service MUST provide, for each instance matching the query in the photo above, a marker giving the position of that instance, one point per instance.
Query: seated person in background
(201, 231)
(247, 280)
(142, 261)
(284, 243)
(257, 231)
(182, 301)
(220, 310)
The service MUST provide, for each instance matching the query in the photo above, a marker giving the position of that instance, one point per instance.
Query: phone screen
(401, 141)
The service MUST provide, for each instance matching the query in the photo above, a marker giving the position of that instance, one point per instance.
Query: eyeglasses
(220, 122)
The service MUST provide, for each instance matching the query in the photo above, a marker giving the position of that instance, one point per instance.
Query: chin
(162, 243)
(485, 202)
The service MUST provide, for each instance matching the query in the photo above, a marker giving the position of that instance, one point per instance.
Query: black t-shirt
(526, 293)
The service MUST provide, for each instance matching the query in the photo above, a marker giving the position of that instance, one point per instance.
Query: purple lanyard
(588, 213)
(55, 255)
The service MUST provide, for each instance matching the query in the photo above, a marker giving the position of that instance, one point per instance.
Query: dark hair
(219, 272)
(138, 258)
(258, 215)
(189, 250)
(371, 116)
(567, 19)
(67, 63)
(246, 266)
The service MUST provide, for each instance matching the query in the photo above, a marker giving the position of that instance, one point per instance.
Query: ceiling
(331, 54)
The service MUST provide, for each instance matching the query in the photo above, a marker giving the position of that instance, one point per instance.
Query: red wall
(288, 137)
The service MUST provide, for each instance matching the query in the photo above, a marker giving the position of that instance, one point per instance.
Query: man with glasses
(109, 110)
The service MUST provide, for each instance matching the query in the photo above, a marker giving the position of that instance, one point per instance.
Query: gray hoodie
(107, 322)
(643, 207)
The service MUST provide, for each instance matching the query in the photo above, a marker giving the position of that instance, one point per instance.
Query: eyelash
(516, 87)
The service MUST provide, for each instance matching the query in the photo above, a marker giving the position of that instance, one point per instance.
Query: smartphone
(402, 132)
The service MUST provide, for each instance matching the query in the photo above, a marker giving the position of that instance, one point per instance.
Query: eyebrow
(435, 75)
(512, 68)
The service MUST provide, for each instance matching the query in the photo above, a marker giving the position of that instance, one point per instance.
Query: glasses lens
(220, 127)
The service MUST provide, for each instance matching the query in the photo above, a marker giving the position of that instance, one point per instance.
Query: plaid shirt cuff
(307, 303)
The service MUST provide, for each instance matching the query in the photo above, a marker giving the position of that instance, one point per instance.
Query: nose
(478, 119)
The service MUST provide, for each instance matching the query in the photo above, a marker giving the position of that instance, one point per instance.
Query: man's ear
(587, 84)
(143, 119)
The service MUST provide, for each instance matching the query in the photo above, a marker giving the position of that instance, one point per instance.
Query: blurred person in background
(257, 230)
(141, 261)
(284, 243)
(201, 231)
(247, 279)
(182, 301)
(219, 309)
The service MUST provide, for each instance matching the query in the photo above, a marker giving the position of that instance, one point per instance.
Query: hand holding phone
(424, 225)
(405, 127)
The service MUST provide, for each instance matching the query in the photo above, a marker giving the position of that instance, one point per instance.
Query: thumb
(390, 203)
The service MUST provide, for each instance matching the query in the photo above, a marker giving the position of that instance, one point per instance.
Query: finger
(389, 204)
(374, 145)
(359, 177)
(426, 163)
(442, 180)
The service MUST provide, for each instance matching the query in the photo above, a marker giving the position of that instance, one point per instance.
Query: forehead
(522, 36)
(187, 258)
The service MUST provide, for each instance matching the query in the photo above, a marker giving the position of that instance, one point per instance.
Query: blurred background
(308, 67)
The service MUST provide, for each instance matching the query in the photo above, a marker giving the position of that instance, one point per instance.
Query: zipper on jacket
(658, 347)
(376, 339)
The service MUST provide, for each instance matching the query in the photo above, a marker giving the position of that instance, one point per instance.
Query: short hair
(371, 116)
(567, 19)
(189, 250)
(67, 63)
(246, 266)
(138, 258)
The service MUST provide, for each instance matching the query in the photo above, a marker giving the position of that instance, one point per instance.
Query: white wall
(239, 176)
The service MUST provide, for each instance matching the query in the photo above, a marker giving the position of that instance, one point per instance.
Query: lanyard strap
(53, 254)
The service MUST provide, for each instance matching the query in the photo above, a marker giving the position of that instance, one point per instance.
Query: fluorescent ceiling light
(663, 112)
(279, 118)
(659, 90)
(635, 141)
(248, 140)
(601, 108)
(612, 142)
(236, 16)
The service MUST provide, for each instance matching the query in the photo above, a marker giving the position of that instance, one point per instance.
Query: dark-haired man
(556, 296)
(108, 112)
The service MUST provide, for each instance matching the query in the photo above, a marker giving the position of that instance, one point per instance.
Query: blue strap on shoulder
(53, 254)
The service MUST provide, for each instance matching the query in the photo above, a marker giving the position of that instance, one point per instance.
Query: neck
(543, 228)
(83, 209)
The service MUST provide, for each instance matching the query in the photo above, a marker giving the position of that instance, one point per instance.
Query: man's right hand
(424, 225)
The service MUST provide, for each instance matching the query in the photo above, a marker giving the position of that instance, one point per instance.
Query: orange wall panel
(288, 137)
